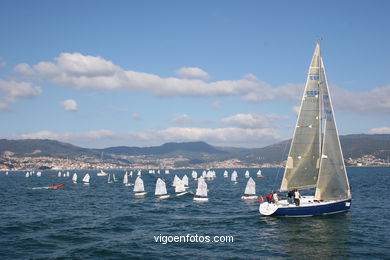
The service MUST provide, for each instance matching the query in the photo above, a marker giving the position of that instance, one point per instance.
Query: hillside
(187, 153)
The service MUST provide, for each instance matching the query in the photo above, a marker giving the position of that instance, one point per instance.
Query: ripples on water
(107, 221)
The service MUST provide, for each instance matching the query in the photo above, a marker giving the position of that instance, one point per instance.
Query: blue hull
(324, 209)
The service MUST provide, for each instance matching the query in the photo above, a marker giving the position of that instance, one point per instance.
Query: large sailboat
(315, 160)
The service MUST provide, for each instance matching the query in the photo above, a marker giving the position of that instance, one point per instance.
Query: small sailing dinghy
(185, 181)
(39, 174)
(201, 191)
(247, 174)
(194, 175)
(126, 180)
(175, 181)
(259, 175)
(180, 188)
(315, 159)
(139, 189)
(233, 177)
(161, 189)
(86, 179)
(109, 179)
(59, 174)
(225, 174)
(27, 174)
(74, 178)
(114, 177)
(101, 173)
(250, 190)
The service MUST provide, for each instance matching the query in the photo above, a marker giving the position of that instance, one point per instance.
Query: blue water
(106, 221)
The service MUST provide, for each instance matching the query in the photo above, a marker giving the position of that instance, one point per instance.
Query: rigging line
(281, 160)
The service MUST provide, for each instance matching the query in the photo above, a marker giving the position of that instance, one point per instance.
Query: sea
(106, 221)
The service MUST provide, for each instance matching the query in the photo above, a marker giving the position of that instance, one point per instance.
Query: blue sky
(231, 73)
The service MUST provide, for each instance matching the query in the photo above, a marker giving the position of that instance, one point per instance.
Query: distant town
(9, 162)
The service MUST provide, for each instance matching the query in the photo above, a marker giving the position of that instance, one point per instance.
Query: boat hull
(322, 208)
(249, 197)
(201, 199)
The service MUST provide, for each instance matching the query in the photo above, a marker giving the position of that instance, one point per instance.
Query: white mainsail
(250, 188)
(161, 188)
(180, 187)
(247, 174)
(225, 174)
(202, 188)
(233, 177)
(194, 174)
(185, 180)
(86, 178)
(302, 165)
(175, 180)
(139, 185)
(74, 178)
(125, 178)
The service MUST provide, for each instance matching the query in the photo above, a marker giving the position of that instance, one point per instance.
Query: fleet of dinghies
(181, 185)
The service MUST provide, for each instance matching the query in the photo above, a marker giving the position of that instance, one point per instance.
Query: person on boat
(275, 197)
(290, 196)
(269, 198)
(297, 197)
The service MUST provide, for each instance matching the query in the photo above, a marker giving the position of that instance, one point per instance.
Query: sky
(231, 73)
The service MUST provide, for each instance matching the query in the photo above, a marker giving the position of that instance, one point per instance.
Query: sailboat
(139, 189)
(109, 180)
(180, 188)
(161, 189)
(247, 174)
(126, 180)
(74, 178)
(86, 179)
(233, 177)
(39, 174)
(250, 190)
(315, 159)
(194, 174)
(225, 174)
(185, 180)
(175, 180)
(101, 173)
(259, 175)
(201, 191)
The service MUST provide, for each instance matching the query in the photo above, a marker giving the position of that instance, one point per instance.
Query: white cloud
(98, 138)
(90, 72)
(192, 72)
(93, 72)
(70, 105)
(380, 130)
(252, 120)
(13, 90)
(182, 119)
(376, 100)
(136, 116)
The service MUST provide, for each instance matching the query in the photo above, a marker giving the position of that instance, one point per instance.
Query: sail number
(315, 77)
(312, 92)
